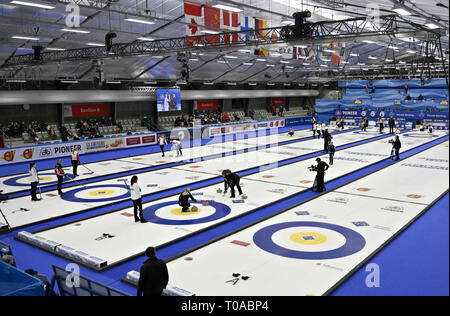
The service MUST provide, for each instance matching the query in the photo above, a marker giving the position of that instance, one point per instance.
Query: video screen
(169, 100)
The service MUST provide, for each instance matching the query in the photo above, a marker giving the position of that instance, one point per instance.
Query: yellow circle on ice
(101, 192)
(45, 178)
(308, 238)
(178, 212)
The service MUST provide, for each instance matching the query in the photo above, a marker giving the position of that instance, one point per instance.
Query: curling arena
(73, 174)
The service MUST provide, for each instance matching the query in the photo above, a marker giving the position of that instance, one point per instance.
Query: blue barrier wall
(14, 282)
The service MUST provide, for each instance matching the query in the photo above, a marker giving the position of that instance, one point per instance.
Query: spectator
(154, 275)
(119, 127)
(42, 278)
(8, 259)
(421, 98)
(274, 110)
(408, 98)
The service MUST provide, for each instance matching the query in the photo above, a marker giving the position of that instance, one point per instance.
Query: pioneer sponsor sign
(39, 152)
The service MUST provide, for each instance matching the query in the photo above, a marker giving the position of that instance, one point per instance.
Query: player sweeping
(232, 180)
(183, 200)
(177, 146)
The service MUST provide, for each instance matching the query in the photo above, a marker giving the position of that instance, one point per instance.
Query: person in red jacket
(75, 158)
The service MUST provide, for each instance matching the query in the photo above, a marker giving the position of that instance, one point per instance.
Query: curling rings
(352, 241)
(212, 212)
(24, 180)
(420, 135)
(97, 193)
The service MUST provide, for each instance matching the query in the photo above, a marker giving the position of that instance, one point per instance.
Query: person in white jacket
(162, 141)
(34, 181)
(135, 191)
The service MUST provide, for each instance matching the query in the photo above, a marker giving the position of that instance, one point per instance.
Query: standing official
(391, 124)
(59, 171)
(34, 180)
(381, 124)
(326, 140)
(331, 151)
(154, 275)
(75, 158)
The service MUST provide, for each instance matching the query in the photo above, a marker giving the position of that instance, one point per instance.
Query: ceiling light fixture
(150, 21)
(227, 7)
(27, 38)
(34, 4)
(74, 30)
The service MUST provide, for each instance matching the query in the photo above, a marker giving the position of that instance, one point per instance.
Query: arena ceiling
(399, 53)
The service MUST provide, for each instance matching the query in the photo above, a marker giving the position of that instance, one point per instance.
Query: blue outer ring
(421, 136)
(370, 133)
(222, 210)
(70, 195)
(13, 181)
(354, 242)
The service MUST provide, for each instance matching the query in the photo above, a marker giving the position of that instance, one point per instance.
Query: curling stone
(219, 191)
(244, 196)
(205, 203)
(194, 209)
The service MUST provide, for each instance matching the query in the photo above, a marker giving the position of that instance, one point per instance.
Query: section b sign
(85, 110)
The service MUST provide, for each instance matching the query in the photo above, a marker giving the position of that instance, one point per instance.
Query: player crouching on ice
(183, 200)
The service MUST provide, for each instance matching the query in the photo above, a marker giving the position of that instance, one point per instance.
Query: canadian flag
(230, 21)
(193, 16)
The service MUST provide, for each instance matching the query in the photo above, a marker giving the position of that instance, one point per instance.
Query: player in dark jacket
(154, 275)
(320, 177)
(183, 200)
(396, 147)
(232, 180)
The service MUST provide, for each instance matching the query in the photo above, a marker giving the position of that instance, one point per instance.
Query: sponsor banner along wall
(246, 127)
(40, 152)
(355, 117)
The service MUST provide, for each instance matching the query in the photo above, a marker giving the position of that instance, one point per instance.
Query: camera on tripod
(312, 168)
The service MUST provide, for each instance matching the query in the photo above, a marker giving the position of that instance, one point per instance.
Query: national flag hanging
(246, 27)
(260, 27)
(230, 21)
(212, 23)
(193, 16)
